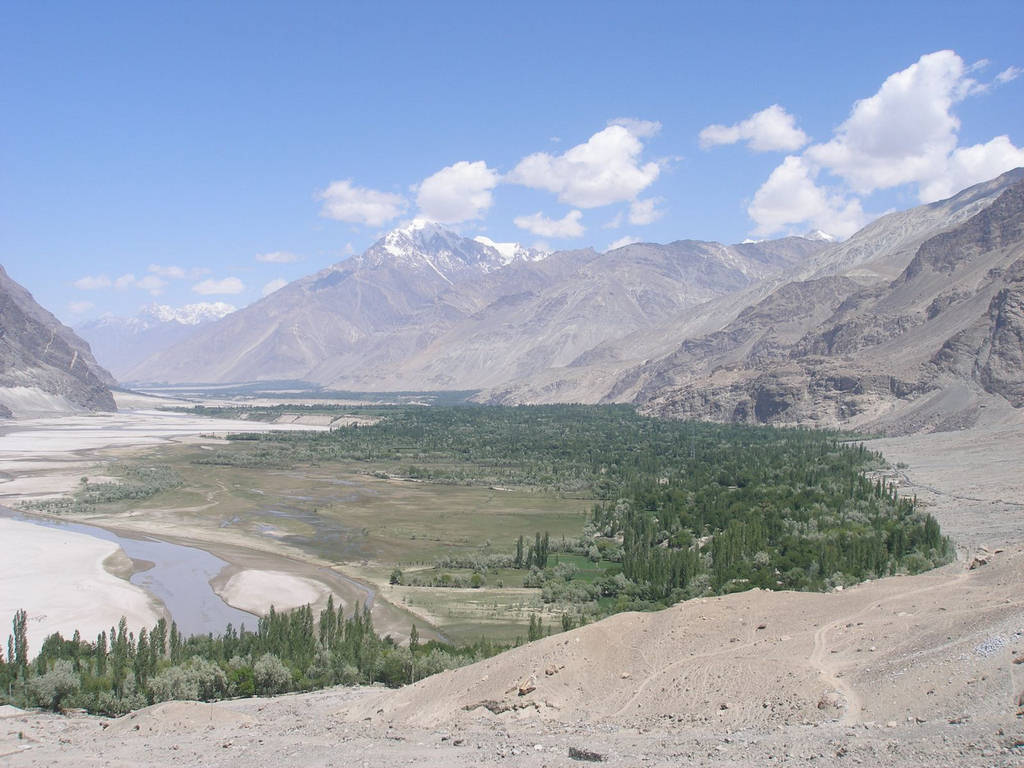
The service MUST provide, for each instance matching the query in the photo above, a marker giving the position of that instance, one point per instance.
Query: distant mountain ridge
(44, 366)
(120, 343)
(868, 332)
(425, 308)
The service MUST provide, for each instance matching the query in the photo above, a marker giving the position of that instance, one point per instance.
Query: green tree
(18, 649)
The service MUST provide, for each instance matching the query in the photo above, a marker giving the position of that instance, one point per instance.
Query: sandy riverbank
(59, 578)
(256, 591)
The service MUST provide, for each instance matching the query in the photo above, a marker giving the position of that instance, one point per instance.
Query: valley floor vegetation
(676, 510)
(120, 671)
(683, 508)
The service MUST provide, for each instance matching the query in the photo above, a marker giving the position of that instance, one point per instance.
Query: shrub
(49, 689)
(271, 675)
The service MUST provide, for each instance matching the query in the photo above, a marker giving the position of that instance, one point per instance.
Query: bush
(271, 675)
(49, 689)
(195, 680)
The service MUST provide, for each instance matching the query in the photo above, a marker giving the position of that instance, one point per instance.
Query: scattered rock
(831, 700)
(587, 755)
(496, 707)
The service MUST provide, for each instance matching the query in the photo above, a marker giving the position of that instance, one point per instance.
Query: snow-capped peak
(422, 243)
(512, 251)
(817, 234)
(189, 314)
(416, 236)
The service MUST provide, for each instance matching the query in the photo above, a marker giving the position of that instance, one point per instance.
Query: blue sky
(195, 152)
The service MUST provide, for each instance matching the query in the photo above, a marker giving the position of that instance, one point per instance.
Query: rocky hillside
(44, 366)
(926, 350)
(425, 308)
(744, 328)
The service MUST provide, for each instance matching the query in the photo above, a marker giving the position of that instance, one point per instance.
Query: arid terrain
(911, 670)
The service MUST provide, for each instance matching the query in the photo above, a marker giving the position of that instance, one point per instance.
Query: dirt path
(833, 671)
(729, 649)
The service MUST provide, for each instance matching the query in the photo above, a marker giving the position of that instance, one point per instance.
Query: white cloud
(80, 307)
(906, 133)
(274, 285)
(277, 257)
(92, 282)
(621, 242)
(539, 224)
(902, 134)
(178, 273)
(603, 170)
(643, 212)
(227, 285)
(460, 192)
(1008, 74)
(642, 129)
(770, 130)
(151, 283)
(970, 165)
(359, 205)
(790, 196)
(171, 272)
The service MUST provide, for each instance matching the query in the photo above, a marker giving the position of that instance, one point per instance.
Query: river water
(180, 577)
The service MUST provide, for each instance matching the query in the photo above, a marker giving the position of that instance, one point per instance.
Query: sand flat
(59, 579)
(255, 591)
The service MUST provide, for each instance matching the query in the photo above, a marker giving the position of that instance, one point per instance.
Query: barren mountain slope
(44, 366)
(603, 297)
(632, 368)
(427, 309)
(945, 331)
(885, 246)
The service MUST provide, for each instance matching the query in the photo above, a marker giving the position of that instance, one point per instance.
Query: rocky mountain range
(427, 309)
(124, 342)
(866, 332)
(926, 350)
(44, 366)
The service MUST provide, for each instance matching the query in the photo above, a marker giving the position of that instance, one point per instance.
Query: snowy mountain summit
(425, 244)
(190, 314)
